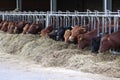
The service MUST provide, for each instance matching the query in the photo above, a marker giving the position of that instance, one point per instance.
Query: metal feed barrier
(24, 16)
(69, 19)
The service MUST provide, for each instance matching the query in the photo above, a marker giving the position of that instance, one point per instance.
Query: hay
(48, 52)
(79, 61)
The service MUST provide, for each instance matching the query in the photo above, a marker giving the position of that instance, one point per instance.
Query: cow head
(5, 26)
(82, 41)
(25, 29)
(82, 30)
(74, 33)
(11, 28)
(95, 43)
(49, 28)
(1, 24)
(19, 27)
(44, 33)
(105, 44)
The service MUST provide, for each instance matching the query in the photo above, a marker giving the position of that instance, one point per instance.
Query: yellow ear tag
(108, 38)
(84, 30)
(80, 38)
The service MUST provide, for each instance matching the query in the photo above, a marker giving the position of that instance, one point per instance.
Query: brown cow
(1, 24)
(9, 24)
(5, 26)
(19, 27)
(84, 40)
(25, 29)
(76, 31)
(110, 41)
(35, 28)
(44, 32)
(11, 27)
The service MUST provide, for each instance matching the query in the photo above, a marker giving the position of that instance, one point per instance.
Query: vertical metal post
(103, 24)
(19, 4)
(3, 17)
(47, 19)
(92, 22)
(107, 5)
(53, 5)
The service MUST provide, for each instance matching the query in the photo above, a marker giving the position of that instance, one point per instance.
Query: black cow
(95, 42)
(53, 34)
(58, 33)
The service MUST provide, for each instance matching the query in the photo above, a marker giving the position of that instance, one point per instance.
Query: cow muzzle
(71, 39)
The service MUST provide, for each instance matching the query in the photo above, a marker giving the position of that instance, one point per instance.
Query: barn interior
(54, 53)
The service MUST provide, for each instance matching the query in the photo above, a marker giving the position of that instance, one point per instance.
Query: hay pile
(50, 53)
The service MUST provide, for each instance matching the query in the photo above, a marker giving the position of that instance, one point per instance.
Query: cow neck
(85, 37)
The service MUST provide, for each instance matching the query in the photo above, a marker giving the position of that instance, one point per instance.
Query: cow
(44, 32)
(1, 24)
(84, 40)
(95, 42)
(52, 34)
(58, 34)
(11, 27)
(5, 26)
(110, 41)
(19, 27)
(76, 31)
(9, 24)
(35, 28)
(25, 29)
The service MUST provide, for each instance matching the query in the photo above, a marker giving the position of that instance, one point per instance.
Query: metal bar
(18, 5)
(103, 24)
(53, 5)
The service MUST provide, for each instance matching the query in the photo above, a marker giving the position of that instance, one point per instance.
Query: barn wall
(63, 5)
(80, 5)
(7, 5)
(93, 5)
(116, 5)
(39, 5)
(27, 5)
